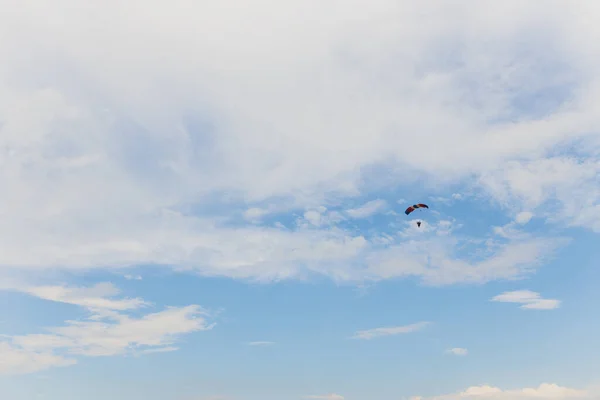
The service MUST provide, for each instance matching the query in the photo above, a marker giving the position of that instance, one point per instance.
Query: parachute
(413, 208)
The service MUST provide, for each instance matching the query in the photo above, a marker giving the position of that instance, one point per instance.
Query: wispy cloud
(160, 350)
(16, 360)
(331, 396)
(365, 102)
(95, 297)
(523, 217)
(100, 335)
(114, 333)
(529, 300)
(108, 331)
(435, 260)
(261, 343)
(458, 351)
(367, 209)
(279, 143)
(562, 189)
(389, 331)
(213, 398)
(544, 391)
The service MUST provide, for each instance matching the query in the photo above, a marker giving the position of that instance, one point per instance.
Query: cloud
(93, 297)
(544, 391)
(153, 168)
(255, 213)
(181, 153)
(458, 351)
(263, 343)
(529, 300)
(389, 331)
(269, 253)
(367, 209)
(214, 397)
(565, 189)
(107, 331)
(523, 217)
(101, 335)
(160, 350)
(15, 360)
(331, 396)
(314, 217)
(319, 217)
(110, 334)
(436, 262)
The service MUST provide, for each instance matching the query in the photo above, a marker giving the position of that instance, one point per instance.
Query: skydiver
(419, 224)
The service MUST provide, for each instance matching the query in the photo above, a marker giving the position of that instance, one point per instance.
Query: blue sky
(206, 201)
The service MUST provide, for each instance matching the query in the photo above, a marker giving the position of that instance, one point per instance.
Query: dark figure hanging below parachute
(413, 208)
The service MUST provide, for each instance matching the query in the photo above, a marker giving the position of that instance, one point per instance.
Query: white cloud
(167, 349)
(110, 334)
(133, 277)
(523, 217)
(106, 334)
(545, 391)
(572, 184)
(255, 213)
(108, 330)
(314, 217)
(367, 209)
(113, 150)
(215, 398)
(436, 262)
(389, 331)
(93, 297)
(331, 396)
(124, 153)
(529, 300)
(265, 254)
(458, 351)
(15, 360)
(261, 343)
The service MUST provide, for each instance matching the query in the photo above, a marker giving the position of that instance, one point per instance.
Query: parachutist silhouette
(413, 208)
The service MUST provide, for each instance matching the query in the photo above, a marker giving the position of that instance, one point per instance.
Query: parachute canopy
(414, 207)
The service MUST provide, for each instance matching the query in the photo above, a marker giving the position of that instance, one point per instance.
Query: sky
(205, 200)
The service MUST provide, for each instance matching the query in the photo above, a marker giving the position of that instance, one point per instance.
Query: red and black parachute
(414, 207)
